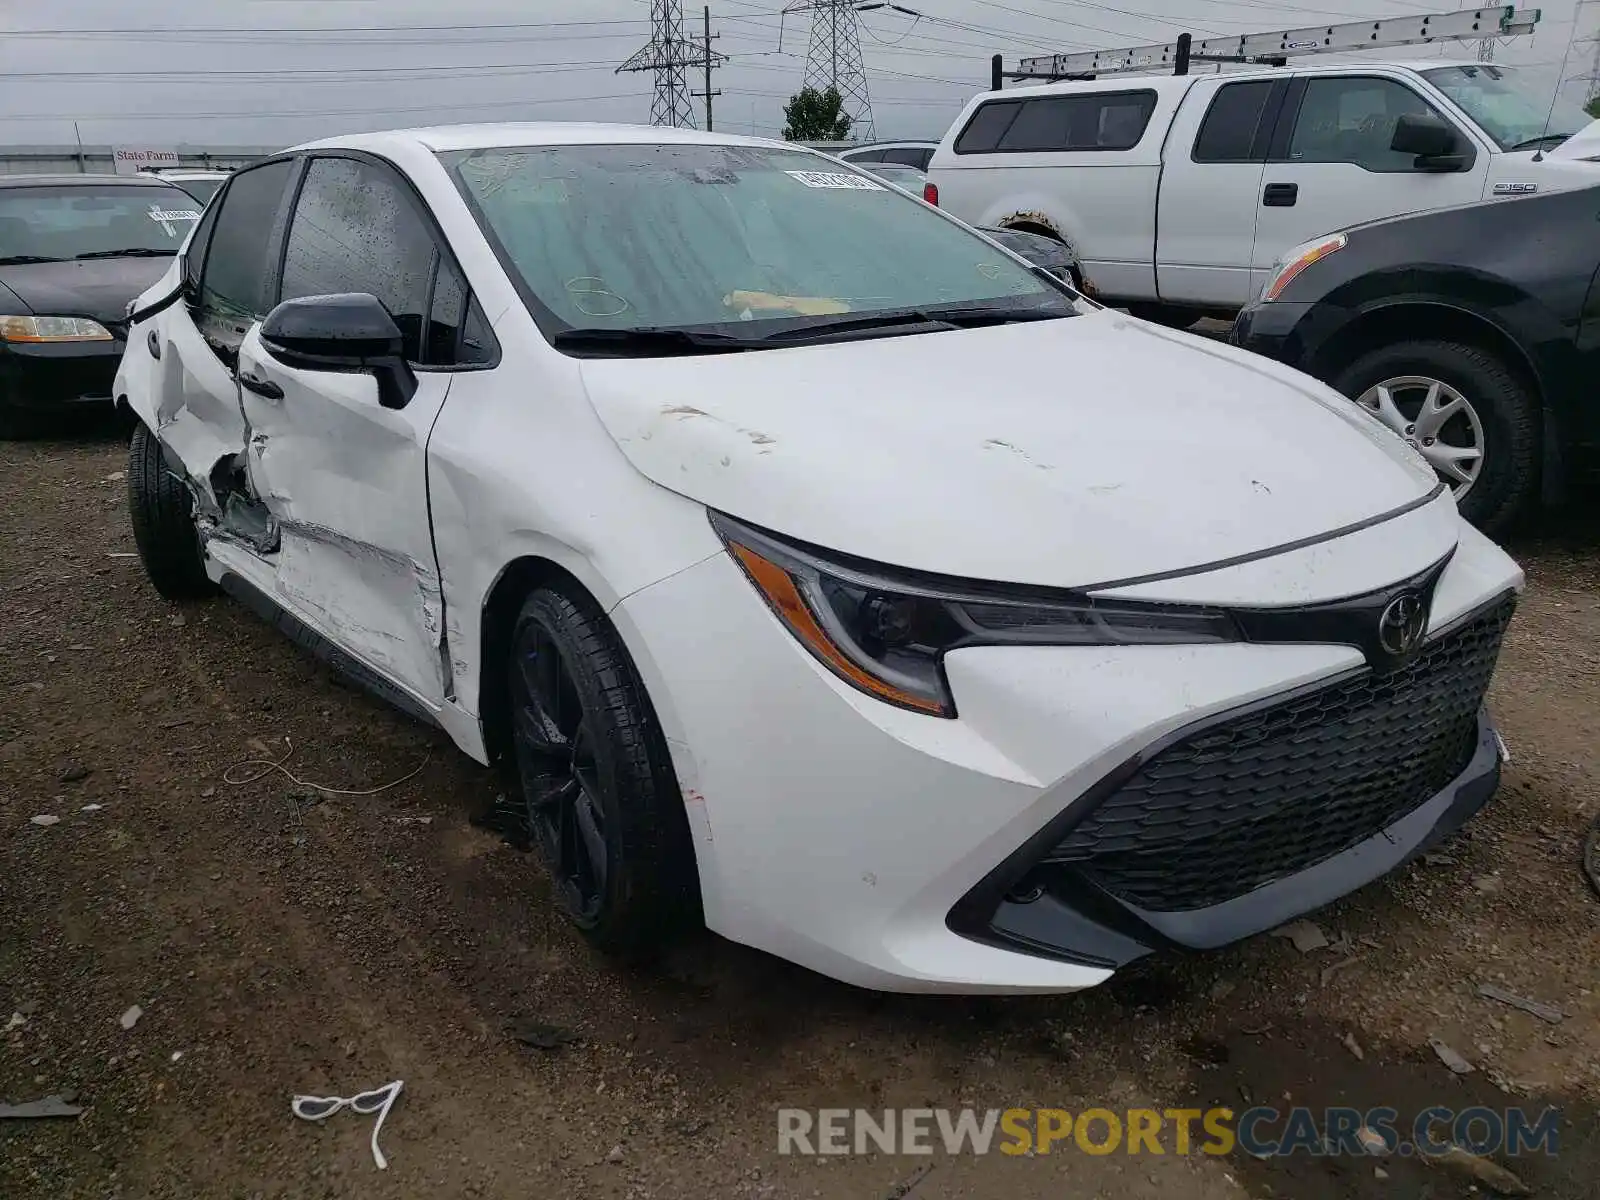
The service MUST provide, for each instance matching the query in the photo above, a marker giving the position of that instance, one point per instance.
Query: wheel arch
(1431, 320)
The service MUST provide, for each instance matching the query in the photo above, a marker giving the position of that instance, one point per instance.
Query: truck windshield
(1515, 115)
(734, 240)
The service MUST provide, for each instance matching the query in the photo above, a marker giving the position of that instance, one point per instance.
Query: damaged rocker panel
(326, 651)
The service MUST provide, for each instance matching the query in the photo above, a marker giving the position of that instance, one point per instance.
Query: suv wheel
(162, 511)
(1466, 412)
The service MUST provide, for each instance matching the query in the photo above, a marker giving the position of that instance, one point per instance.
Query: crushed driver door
(345, 485)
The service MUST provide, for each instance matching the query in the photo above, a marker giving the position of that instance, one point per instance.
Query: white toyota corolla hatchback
(809, 561)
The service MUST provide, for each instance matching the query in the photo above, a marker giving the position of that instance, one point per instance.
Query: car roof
(881, 145)
(536, 133)
(64, 179)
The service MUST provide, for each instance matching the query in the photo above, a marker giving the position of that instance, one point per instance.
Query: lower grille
(1252, 799)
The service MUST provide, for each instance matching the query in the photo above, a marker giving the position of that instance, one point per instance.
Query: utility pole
(708, 64)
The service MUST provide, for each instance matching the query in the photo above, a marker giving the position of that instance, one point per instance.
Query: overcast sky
(275, 72)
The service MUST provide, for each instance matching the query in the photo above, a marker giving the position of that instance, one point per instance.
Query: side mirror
(1434, 142)
(349, 333)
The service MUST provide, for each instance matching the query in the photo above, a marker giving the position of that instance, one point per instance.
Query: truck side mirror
(1433, 142)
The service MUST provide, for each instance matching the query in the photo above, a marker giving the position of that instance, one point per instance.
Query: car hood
(1059, 453)
(99, 288)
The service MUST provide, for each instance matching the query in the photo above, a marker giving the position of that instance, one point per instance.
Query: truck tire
(1498, 417)
(1169, 315)
(162, 513)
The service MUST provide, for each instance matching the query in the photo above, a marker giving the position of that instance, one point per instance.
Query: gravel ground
(279, 944)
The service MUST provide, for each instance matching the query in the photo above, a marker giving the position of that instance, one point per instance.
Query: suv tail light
(930, 193)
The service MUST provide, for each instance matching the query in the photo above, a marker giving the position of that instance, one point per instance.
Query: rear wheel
(1169, 315)
(600, 801)
(1464, 410)
(162, 512)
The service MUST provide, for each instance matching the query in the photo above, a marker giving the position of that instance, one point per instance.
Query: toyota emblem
(1402, 625)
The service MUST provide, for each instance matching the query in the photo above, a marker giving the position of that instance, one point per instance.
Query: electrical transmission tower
(670, 53)
(834, 58)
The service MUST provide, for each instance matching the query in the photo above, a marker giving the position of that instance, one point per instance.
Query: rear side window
(1089, 122)
(194, 258)
(236, 289)
(1231, 127)
(983, 131)
(910, 156)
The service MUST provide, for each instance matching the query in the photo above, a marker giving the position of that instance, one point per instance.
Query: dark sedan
(74, 250)
(1472, 332)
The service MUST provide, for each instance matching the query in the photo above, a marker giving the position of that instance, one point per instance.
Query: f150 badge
(1515, 189)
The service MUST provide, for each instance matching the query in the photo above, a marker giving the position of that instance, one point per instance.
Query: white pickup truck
(1180, 193)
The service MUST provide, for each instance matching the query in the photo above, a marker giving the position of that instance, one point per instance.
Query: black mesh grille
(1253, 799)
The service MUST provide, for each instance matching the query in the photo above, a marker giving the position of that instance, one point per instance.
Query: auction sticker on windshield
(827, 179)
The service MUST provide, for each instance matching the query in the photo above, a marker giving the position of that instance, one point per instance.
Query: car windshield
(96, 220)
(748, 240)
(1503, 104)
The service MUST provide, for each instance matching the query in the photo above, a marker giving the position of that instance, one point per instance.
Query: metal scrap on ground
(50, 1106)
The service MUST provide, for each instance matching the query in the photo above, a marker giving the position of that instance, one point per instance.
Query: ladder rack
(1275, 48)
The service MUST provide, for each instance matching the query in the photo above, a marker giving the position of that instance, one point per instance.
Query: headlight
(886, 631)
(52, 329)
(1298, 259)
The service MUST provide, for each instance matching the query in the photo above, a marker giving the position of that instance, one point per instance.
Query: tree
(816, 116)
(1593, 108)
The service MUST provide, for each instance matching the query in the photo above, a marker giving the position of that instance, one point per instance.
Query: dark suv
(1472, 332)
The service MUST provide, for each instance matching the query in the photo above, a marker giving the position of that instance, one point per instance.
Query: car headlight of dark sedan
(52, 329)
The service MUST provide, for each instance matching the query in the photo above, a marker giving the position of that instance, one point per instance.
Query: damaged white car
(811, 563)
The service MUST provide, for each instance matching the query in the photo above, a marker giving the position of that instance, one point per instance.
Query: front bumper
(885, 848)
(50, 377)
(1290, 333)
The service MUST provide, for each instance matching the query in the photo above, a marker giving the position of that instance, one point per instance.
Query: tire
(608, 757)
(162, 512)
(1506, 407)
(1169, 315)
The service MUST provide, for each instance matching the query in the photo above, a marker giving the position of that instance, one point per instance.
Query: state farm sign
(130, 160)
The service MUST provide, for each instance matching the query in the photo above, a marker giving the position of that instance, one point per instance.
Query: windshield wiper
(11, 260)
(931, 320)
(132, 252)
(652, 340)
(1555, 139)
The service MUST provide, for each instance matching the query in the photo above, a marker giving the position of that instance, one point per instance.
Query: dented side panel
(187, 396)
(345, 484)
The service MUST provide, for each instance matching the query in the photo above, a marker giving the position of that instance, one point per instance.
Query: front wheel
(600, 800)
(1466, 412)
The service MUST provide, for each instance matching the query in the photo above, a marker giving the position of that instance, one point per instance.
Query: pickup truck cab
(1179, 193)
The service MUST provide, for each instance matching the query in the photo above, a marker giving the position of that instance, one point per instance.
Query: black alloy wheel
(599, 799)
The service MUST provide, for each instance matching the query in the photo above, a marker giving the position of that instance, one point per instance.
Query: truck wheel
(1465, 411)
(1169, 315)
(162, 512)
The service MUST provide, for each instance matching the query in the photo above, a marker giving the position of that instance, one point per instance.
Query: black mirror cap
(1428, 138)
(346, 332)
(351, 332)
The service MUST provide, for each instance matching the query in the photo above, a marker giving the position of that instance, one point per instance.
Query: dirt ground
(280, 944)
